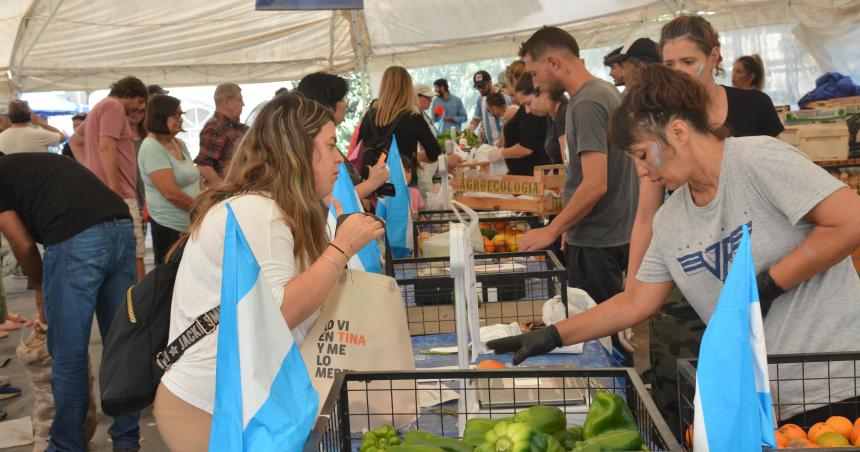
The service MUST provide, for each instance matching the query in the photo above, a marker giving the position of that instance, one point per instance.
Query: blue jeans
(85, 275)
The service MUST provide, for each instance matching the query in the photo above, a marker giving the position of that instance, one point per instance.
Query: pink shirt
(107, 119)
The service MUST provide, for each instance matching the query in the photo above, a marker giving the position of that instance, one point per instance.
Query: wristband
(340, 250)
(768, 291)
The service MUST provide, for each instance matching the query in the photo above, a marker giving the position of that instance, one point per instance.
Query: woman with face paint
(804, 224)
(689, 44)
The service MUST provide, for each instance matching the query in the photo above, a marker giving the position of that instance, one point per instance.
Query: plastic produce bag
(579, 301)
(438, 245)
(553, 311)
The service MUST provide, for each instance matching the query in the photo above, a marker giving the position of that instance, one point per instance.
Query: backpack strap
(389, 130)
(203, 326)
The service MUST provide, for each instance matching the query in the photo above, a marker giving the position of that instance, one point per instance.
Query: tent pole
(20, 62)
(362, 57)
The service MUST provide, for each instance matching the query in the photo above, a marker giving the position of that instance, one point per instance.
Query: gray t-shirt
(610, 221)
(770, 186)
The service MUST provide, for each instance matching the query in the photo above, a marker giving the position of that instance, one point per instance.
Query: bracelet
(340, 250)
(336, 265)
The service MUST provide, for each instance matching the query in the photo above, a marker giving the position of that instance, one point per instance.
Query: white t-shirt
(198, 287)
(27, 139)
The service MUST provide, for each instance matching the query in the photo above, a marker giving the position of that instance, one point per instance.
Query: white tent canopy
(87, 44)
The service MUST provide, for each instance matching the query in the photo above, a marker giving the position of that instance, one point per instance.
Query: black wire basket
(408, 400)
(511, 287)
(805, 388)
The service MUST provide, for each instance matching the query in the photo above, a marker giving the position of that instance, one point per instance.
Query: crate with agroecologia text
(441, 403)
(804, 387)
(477, 187)
(510, 287)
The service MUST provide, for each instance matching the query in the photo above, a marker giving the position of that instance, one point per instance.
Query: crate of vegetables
(477, 187)
(505, 227)
(511, 287)
(454, 411)
(816, 400)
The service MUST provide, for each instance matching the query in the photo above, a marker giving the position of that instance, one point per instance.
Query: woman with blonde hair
(278, 186)
(396, 114)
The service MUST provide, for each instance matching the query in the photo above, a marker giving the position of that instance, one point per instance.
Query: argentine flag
(369, 258)
(264, 399)
(395, 209)
(733, 403)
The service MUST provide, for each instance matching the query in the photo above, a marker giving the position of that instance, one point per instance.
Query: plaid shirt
(218, 140)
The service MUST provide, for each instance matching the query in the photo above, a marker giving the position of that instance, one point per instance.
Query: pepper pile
(609, 426)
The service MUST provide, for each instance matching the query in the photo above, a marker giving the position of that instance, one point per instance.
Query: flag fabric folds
(369, 258)
(264, 399)
(733, 408)
(395, 209)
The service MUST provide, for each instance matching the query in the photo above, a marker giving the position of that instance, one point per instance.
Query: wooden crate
(836, 102)
(821, 142)
(546, 177)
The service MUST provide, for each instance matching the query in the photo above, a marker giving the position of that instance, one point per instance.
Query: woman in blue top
(169, 176)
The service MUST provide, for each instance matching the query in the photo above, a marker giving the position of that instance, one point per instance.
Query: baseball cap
(642, 48)
(481, 79)
(609, 56)
(156, 89)
(423, 89)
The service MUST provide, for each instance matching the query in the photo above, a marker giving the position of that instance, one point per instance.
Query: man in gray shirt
(601, 189)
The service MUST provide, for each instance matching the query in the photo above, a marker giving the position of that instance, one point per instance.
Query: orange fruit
(488, 245)
(491, 364)
(831, 439)
(792, 431)
(688, 435)
(781, 440)
(841, 424)
(798, 443)
(854, 436)
(817, 429)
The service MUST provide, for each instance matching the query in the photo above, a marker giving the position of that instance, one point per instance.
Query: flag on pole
(395, 209)
(369, 258)
(264, 399)
(733, 411)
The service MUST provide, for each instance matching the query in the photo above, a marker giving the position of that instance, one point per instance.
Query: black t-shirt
(55, 197)
(555, 129)
(411, 130)
(528, 131)
(751, 113)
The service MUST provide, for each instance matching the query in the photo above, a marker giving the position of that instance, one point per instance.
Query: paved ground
(20, 301)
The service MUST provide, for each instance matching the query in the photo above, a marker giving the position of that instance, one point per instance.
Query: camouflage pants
(676, 332)
(34, 354)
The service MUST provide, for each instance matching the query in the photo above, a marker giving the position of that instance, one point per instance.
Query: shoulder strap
(203, 326)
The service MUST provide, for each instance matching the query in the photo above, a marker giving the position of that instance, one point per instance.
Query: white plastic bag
(482, 154)
(438, 245)
(579, 301)
(553, 311)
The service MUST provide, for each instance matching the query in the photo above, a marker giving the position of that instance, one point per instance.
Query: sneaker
(7, 392)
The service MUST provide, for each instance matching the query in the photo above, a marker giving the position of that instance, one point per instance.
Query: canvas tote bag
(362, 326)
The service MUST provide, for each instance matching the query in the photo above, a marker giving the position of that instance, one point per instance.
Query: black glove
(536, 342)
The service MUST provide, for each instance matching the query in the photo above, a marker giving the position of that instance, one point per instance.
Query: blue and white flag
(264, 399)
(733, 403)
(369, 258)
(395, 209)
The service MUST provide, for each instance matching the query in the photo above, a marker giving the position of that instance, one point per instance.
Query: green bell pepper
(477, 428)
(518, 437)
(415, 448)
(545, 419)
(611, 441)
(379, 440)
(569, 437)
(608, 412)
(447, 444)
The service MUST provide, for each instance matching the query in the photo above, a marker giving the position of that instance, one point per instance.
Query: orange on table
(781, 440)
(792, 431)
(841, 424)
(831, 439)
(798, 443)
(854, 437)
(817, 429)
(491, 364)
